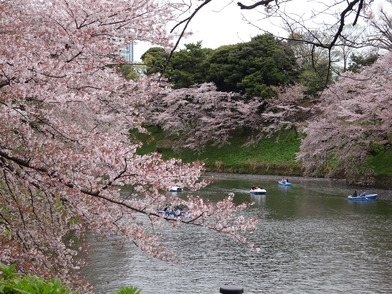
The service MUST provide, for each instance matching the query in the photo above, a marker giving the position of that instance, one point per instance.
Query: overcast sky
(220, 24)
(215, 25)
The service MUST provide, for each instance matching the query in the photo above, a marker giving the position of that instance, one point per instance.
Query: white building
(127, 51)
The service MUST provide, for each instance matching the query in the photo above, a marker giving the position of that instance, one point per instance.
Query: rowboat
(175, 189)
(173, 213)
(257, 191)
(284, 183)
(363, 198)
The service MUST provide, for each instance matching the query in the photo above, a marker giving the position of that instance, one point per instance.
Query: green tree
(185, 68)
(357, 61)
(188, 67)
(155, 60)
(224, 67)
(253, 67)
(249, 68)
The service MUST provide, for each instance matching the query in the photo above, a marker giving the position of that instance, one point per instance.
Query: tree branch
(186, 21)
(257, 4)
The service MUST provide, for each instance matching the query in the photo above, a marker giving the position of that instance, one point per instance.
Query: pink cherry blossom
(354, 116)
(66, 153)
(202, 115)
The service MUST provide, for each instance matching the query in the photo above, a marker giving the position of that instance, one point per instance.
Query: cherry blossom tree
(202, 115)
(65, 153)
(355, 118)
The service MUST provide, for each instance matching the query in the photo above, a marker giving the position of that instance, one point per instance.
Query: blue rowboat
(173, 213)
(363, 198)
(287, 184)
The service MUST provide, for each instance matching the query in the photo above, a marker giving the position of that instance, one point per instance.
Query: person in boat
(283, 181)
(363, 193)
(355, 194)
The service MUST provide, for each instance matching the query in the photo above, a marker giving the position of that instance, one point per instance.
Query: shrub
(14, 283)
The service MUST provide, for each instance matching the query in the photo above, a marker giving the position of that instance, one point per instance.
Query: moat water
(311, 239)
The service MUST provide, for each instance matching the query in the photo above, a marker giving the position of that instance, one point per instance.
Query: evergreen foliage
(155, 59)
(253, 67)
(360, 60)
(188, 67)
(250, 68)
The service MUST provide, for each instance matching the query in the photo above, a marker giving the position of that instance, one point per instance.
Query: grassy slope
(383, 163)
(275, 155)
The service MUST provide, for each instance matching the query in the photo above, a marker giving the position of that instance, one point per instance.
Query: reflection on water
(312, 240)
